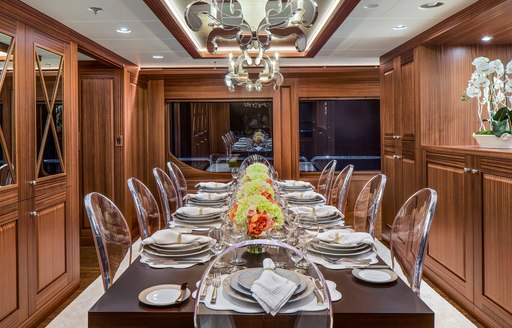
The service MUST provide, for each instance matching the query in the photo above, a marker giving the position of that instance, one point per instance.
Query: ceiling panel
(360, 40)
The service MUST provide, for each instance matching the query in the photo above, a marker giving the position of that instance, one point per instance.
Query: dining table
(362, 304)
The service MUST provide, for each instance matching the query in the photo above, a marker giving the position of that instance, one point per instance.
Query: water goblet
(218, 246)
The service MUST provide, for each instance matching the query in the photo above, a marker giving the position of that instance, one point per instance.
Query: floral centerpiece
(255, 209)
(491, 85)
(258, 137)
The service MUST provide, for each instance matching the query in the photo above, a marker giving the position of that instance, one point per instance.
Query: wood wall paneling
(9, 288)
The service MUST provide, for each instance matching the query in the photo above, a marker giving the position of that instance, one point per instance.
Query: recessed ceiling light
(370, 6)
(399, 27)
(158, 56)
(123, 30)
(486, 38)
(430, 5)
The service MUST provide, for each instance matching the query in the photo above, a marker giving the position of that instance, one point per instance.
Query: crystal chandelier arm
(244, 36)
(228, 14)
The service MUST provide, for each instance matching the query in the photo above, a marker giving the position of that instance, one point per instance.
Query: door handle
(467, 170)
(33, 213)
(33, 182)
(475, 171)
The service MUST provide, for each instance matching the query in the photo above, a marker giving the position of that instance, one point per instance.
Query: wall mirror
(7, 102)
(218, 136)
(49, 112)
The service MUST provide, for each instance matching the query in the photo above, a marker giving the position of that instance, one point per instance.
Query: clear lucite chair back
(367, 204)
(339, 192)
(148, 214)
(6, 175)
(111, 235)
(226, 143)
(409, 235)
(302, 312)
(179, 181)
(325, 180)
(253, 159)
(168, 194)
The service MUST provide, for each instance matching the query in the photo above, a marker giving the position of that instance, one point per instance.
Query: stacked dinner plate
(198, 216)
(323, 215)
(306, 198)
(179, 251)
(288, 186)
(238, 285)
(208, 199)
(335, 251)
(213, 187)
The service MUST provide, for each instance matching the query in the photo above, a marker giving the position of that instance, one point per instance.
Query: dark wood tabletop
(362, 305)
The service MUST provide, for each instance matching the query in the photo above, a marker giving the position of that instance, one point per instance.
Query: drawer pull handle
(33, 213)
(33, 182)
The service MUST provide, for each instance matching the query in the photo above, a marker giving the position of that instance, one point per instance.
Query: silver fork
(347, 260)
(208, 283)
(216, 285)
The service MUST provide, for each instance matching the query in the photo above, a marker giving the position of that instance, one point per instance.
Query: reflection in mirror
(49, 112)
(218, 136)
(7, 170)
(347, 131)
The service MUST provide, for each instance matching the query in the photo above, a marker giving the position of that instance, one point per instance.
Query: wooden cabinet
(398, 126)
(471, 235)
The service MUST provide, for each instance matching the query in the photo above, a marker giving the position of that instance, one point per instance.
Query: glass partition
(218, 136)
(345, 130)
(7, 101)
(49, 112)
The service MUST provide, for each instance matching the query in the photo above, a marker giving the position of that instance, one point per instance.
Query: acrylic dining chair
(325, 180)
(367, 204)
(339, 192)
(409, 235)
(255, 158)
(168, 194)
(146, 207)
(111, 235)
(179, 181)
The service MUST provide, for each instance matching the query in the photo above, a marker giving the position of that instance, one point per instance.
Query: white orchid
(482, 82)
(497, 67)
(484, 68)
(473, 92)
(479, 60)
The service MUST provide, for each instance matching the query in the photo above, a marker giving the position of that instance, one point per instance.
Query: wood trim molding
(342, 12)
(474, 12)
(13, 9)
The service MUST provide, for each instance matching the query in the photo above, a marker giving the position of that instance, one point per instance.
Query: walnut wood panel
(218, 126)
(444, 72)
(391, 167)
(51, 245)
(388, 107)
(97, 138)
(9, 293)
(408, 105)
(409, 183)
(493, 290)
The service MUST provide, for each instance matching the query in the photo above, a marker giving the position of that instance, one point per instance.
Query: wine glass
(218, 246)
(236, 236)
(307, 231)
(279, 235)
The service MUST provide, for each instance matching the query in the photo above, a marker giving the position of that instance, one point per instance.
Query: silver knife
(318, 295)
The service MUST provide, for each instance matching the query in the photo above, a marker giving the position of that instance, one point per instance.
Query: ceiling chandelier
(283, 19)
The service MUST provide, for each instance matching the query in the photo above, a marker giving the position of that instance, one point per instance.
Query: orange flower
(232, 213)
(267, 195)
(257, 224)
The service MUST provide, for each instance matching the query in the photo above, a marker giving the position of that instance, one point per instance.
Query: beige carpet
(75, 315)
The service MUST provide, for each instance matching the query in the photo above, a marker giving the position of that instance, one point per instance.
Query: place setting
(305, 198)
(198, 218)
(207, 199)
(213, 187)
(324, 215)
(289, 186)
(165, 295)
(173, 249)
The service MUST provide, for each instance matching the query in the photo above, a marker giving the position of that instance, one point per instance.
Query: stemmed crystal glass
(218, 246)
(236, 235)
(280, 235)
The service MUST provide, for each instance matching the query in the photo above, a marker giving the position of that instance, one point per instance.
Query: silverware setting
(208, 282)
(171, 262)
(346, 260)
(316, 291)
(182, 294)
(216, 285)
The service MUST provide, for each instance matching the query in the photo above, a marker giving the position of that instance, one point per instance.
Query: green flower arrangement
(256, 171)
(256, 204)
(255, 187)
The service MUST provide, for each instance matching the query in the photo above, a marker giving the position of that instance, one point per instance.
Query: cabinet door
(494, 244)
(388, 103)
(391, 167)
(450, 249)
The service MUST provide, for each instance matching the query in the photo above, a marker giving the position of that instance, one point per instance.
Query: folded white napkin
(198, 211)
(212, 185)
(168, 236)
(345, 237)
(321, 211)
(294, 183)
(271, 290)
(208, 196)
(304, 195)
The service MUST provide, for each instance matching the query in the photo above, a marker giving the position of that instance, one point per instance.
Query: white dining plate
(375, 276)
(340, 252)
(162, 295)
(195, 248)
(155, 253)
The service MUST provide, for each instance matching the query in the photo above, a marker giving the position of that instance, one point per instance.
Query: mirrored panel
(218, 136)
(345, 130)
(7, 102)
(49, 112)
